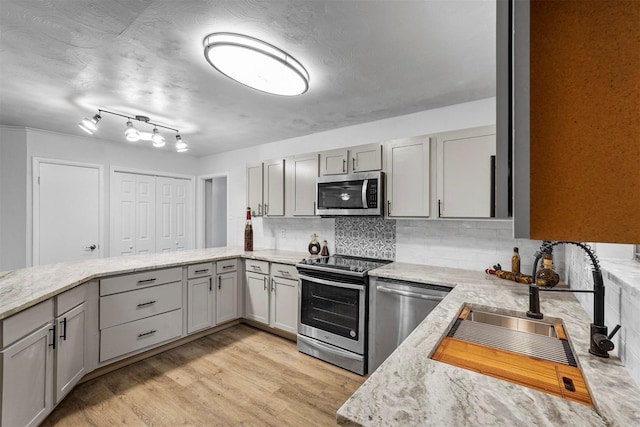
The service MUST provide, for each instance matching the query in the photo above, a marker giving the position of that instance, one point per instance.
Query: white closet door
(172, 214)
(145, 214)
(132, 214)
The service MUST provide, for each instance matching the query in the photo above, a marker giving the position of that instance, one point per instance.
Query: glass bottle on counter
(325, 249)
(314, 246)
(248, 233)
(515, 261)
(547, 276)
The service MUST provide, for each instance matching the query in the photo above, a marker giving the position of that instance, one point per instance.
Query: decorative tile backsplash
(366, 237)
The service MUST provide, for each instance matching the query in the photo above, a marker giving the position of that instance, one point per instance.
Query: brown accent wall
(585, 120)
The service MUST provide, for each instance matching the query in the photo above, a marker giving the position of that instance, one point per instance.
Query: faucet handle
(614, 332)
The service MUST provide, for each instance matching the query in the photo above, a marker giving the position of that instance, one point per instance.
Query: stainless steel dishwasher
(396, 307)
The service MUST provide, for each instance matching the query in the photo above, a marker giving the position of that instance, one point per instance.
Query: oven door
(332, 310)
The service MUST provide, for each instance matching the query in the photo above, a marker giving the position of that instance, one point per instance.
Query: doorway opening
(215, 212)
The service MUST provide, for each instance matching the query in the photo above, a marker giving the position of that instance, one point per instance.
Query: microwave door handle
(365, 184)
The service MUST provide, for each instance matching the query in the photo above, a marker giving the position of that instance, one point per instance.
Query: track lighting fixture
(90, 125)
(131, 133)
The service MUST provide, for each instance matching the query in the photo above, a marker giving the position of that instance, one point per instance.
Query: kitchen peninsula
(408, 388)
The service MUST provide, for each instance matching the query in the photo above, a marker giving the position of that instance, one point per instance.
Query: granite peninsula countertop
(410, 389)
(23, 288)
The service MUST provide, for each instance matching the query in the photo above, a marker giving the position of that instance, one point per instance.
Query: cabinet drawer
(25, 322)
(200, 270)
(129, 282)
(285, 271)
(122, 339)
(256, 266)
(71, 298)
(128, 306)
(227, 266)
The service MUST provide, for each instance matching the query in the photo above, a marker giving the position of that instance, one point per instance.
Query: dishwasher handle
(429, 297)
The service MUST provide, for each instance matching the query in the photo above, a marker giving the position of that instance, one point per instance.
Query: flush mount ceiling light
(132, 134)
(256, 64)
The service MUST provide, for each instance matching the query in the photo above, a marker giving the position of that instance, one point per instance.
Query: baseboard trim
(184, 340)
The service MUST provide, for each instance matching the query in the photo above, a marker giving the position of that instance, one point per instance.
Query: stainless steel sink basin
(512, 333)
(513, 323)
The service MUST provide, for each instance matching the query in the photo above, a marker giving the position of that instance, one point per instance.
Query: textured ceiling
(61, 60)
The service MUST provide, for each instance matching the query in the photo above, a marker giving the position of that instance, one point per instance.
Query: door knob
(91, 248)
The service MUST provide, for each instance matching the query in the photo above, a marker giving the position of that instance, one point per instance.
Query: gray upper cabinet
(334, 162)
(273, 191)
(361, 158)
(365, 158)
(301, 172)
(466, 173)
(408, 177)
(254, 189)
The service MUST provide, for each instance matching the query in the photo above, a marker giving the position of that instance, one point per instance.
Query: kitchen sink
(513, 323)
(511, 347)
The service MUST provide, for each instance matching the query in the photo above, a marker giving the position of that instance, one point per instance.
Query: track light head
(90, 125)
(180, 144)
(158, 140)
(131, 133)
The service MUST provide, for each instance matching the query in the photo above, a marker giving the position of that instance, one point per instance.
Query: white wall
(17, 164)
(13, 198)
(460, 116)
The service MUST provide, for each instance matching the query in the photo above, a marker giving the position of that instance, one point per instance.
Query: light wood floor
(239, 376)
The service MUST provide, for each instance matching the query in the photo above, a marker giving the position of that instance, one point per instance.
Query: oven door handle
(329, 282)
(410, 294)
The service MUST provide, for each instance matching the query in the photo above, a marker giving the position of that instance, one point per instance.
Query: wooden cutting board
(549, 377)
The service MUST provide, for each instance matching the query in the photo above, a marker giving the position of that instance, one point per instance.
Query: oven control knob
(304, 261)
(352, 333)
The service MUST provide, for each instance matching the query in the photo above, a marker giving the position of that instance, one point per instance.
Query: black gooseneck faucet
(600, 343)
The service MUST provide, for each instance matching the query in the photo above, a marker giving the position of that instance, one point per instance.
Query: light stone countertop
(23, 288)
(410, 389)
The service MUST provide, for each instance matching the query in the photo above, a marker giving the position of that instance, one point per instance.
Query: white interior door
(172, 214)
(132, 214)
(67, 212)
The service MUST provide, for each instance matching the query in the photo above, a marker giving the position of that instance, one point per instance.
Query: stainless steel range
(333, 296)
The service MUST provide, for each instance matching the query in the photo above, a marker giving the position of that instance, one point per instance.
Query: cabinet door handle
(264, 283)
(53, 339)
(273, 285)
(344, 164)
(388, 207)
(353, 164)
(219, 282)
(259, 209)
(64, 329)
(439, 208)
(210, 284)
(141, 282)
(204, 270)
(145, 304)
(224, 267)
(144, 334)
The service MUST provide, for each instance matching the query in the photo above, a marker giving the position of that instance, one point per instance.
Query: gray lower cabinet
(70, 350)
(27, 378)
(227, 297)
(200, 304)
(139, 311)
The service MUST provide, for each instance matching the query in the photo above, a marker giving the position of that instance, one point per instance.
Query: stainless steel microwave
(351, 194)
